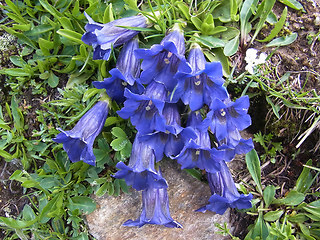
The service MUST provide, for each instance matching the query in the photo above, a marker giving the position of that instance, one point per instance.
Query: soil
(301, 59)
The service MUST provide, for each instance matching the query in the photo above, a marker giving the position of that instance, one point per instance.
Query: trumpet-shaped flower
(172, 140)
(140, 172)
(200, 84)
(224, 192)
(145, 111)
(198, 152)
(234, 144)
(227, 116)
(160, 62)
(78, 142)
(125, 75)
(105, 36)
(155, 209)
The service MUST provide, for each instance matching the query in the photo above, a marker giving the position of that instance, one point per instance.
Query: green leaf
(13, 7)
(314, 209)
(77, 79)
(245, 14)
(292, 199)
(66, 23)
(260, 229)
(305, 179)
(183, 7)
(85, 204)
(306, 232)
(48, 182)
(207, 26)
(194, 173)
(196, 22)
(16, 72)
(132, 4)
(283, 41)
(124, 187)
(231, 47)
(45, 46)
(16, 224)
(108, 14)
(28, 213)
(53, 11)
(53, 80)
(112, 120)
(17, 115)
(300, 217)
(90, 93)
(273, 215)
(18, 61)
(72, 35)
(7, 156)
(116, 187)
(292, 3)
(275, 108)
(54, 208)
(210, 42)
(102, 190)
(253, 165)
(126, 151)
(268, 195)
(118, 132)
(277, 27)
(110, 188)
(119, 144)
(267, 7)
(36, 31)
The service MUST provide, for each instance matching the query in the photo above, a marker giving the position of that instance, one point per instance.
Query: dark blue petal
(103, 36)
(224, 192)
(78, 142)
(155, 209)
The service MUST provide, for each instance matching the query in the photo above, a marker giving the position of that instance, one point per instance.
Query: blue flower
(160, 62)
(227, 116)
(172, 140)
(198, 152)
(140, 172)
(103, 36)
(234, 144)
(224, 192)
(78, 142)
(155, 209)
(145, 111)
(125, 75)
(201, 83)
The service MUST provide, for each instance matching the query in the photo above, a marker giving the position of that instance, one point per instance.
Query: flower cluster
(180, 109)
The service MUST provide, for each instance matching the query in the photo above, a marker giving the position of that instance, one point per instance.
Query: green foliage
(288, 217)
(271, 148)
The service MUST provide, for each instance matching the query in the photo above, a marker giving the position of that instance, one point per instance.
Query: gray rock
(186, 194)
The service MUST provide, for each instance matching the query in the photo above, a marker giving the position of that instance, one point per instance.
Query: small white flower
(253, 60)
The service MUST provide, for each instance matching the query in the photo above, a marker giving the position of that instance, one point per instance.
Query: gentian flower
(78, 142)
(171, 141)
(234, 144)
(227, 116)
(145, 111)
(161, 61)
(140, 172)
(198, 152)
(200, 84)
(125, 75)
(155, 209)
(224, 192)
(103, 36)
